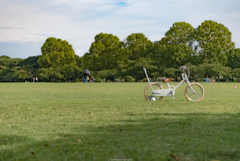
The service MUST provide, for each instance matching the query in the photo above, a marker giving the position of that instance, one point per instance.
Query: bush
(119, 80)
(129, 78)
(78, 80)
(199, 79)
(98, 79)
(144, 80)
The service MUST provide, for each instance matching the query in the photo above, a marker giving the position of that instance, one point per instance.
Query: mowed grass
(101, 121)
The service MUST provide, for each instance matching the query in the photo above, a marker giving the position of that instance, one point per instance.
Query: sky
(26, 24)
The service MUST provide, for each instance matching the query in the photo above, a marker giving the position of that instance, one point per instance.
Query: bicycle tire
(146, 93)
(190, 96)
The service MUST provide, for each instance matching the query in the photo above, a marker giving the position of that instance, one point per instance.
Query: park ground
(101, 121)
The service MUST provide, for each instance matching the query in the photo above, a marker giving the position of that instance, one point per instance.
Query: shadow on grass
(161, 136)
(12, 139)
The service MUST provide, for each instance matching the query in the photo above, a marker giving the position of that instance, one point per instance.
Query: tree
(78, 60)
(14, 74)
(71, 72)
(134, 68)
(5, 60)
(108, 74)
(30, 64)
(214, 42)
(50, 74)
(104, 53)
(136, 45)
(57, 58)
(56, 53)
(236, 73)
(176, 46)
(234, 58)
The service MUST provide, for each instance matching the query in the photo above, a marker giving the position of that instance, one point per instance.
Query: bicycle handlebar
(185, 67)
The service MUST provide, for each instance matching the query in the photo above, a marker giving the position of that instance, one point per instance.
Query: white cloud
(155, 37)
(79, 52)
(78, 21)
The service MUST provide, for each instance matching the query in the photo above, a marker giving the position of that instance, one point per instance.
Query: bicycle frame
(168, 92)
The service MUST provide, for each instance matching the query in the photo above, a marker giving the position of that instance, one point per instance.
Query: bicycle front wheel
(148, 91)
(198, 96)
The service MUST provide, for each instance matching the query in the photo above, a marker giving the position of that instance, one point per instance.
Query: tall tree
(55, 53)
(234, 58)
(30, 64)
(104, 53)
(176, 46)
(5, 60)
(136, 45)
(214, 42)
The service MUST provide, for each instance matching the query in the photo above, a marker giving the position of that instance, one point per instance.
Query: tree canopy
(208, 50)
(214, 42)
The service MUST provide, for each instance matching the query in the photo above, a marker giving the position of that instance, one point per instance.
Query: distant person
(33, 79)
(92, 79)
(182, 76)
(84, 78)
(36, 79)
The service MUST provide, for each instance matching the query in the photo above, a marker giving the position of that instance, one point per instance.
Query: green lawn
(101, 121)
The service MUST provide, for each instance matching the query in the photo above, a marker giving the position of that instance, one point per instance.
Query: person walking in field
(84, 78)
(85, 75)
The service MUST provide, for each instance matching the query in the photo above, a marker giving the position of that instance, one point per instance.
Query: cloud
(79, 21)
(12, 28)
(79, 52)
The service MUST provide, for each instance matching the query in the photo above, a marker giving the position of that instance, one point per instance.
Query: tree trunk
(176, 76)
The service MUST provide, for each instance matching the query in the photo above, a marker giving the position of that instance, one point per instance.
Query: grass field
(101, 121)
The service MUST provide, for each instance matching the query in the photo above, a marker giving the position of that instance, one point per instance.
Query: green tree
(50, 74)
(57, 59)
(71, 72)
(236, 73)
(175, 49)
(234, 58)
(14, 74)
(30, 64)
(5, 60)
(78, 60)
(214, 42)
(56, 53)
(134, 68)
(136, 45)
(103, 54)
(107, 74)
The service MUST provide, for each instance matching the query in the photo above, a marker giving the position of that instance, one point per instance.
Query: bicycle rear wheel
(148, 91)
(198, 96)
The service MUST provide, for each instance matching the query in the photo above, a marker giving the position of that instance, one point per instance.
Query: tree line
(208, 50)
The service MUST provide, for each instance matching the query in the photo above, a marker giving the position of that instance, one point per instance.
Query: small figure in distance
(181, 76)
(33, 79)
(36, 79)
(92, 79)
(84, 78)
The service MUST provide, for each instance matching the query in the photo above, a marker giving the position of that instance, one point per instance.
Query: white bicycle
(154, 91)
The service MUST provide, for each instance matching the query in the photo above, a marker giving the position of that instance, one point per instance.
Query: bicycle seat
(167, 80)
